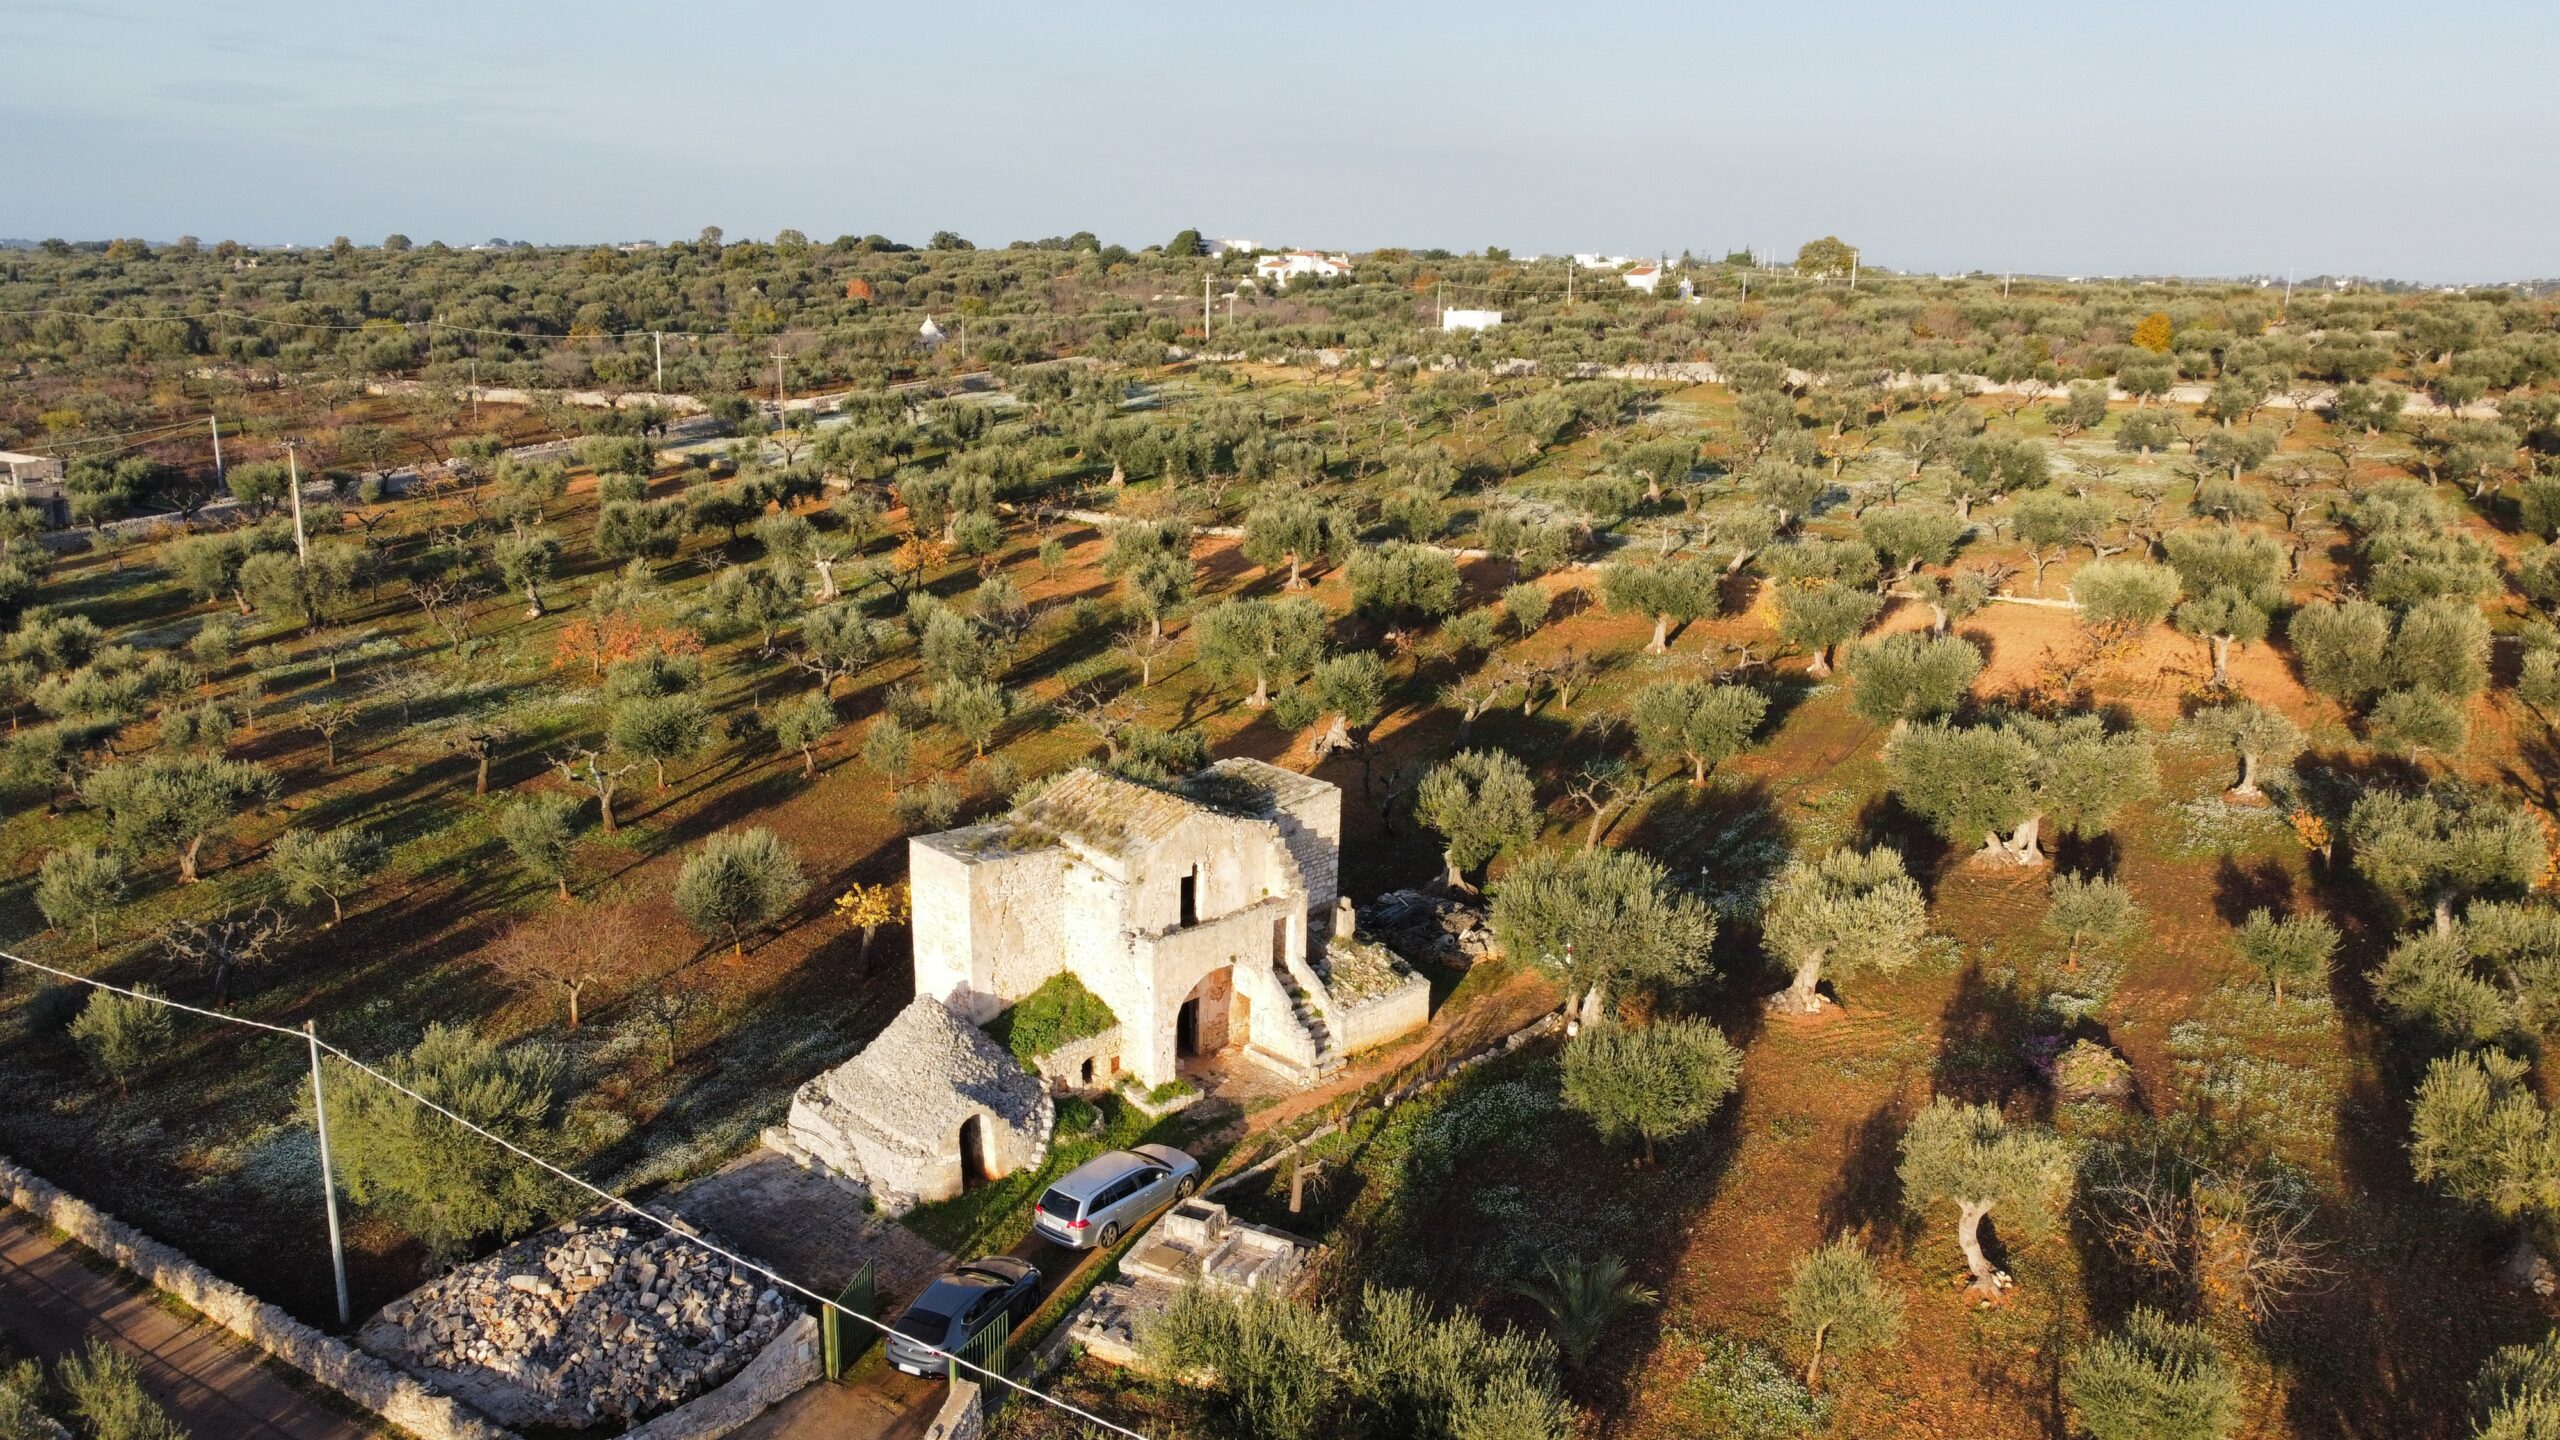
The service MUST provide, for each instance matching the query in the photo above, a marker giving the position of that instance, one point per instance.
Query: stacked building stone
(582, 1325)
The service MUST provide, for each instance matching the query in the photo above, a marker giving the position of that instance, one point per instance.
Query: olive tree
(175, 802)
(2493, 976)
(121, 1035)
(1852, 911)
(538, 831)
(78, 887)
(738, 881)
(443, 1184)
(803, 725)
(1294, 531)
(1821, 618)
(2255, 734)
(1480, 803)
(2429, 851)
(660, 728)
(331, 863)
(1655, 1083)
(2124, 596)
(1971, 1157)
(1898, 679)
(1598, 918)
(1837, 1303)
(1260, 640)
(1678, 592)
(2294, 950)
(2016, 776)
(1696, 722)
(2085, 911)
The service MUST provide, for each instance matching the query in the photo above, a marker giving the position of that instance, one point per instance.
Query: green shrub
(1060, 1012)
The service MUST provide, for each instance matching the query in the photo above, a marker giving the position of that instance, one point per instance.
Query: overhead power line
(614, 1201)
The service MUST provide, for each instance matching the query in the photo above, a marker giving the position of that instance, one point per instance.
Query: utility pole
(1570, 265)
(777, 377)
(1204, 311)
(328, 1182)
(2287, 303)
(216, 423)
(475, 389)
(293, 487)
(1853, 270)
(658, 343)
(2004, 284)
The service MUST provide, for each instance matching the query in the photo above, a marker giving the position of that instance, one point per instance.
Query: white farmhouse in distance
(1469, 319)
(930, 335)
(1646, 277)
(1606, 262)
(1280, 269)
(1229, 245)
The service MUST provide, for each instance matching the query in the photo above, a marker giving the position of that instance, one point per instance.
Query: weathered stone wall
(962, 1416)
(371, 1384)
(788, 1363)
(987, 929)
(1381, 1018)
(1063, 1067)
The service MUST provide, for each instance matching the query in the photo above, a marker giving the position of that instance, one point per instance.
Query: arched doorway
(974, 1170)
(1204, 1022)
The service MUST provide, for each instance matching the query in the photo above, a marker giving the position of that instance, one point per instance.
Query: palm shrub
(1584, 1298)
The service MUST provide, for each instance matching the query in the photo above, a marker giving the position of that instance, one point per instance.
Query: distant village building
(1280, 269)
(1606, 262)
(930, 336)
(1646, 278)
(1469, 319)
(1230, 246)
(35, 480)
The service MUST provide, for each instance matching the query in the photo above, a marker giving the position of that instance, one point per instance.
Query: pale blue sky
(2410, 139)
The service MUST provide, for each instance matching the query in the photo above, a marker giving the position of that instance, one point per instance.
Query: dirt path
(51, 1302)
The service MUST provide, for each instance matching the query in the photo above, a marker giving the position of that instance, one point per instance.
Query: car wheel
(1189, 1184)
(1110, 1235)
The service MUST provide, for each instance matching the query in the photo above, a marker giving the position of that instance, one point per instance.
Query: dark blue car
(958, 1306)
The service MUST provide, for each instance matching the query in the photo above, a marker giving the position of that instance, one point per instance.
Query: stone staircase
(1328, 1054)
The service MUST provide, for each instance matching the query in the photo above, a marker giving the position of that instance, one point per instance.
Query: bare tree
(584, 766)
(2237, 1242)
(570, 951)
(227, 944)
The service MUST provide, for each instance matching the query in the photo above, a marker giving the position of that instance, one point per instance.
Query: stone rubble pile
(585, 1323)
(1429, 929)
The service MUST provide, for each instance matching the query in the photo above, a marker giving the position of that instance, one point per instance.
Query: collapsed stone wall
(583, 1324)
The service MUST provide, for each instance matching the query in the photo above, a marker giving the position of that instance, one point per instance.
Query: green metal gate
(986, 1348)
(862, 1298)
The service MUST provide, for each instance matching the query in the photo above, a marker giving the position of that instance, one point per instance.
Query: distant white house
(1469, 319)
(1230, 246)
(1280, 269)
(930, 335)
(1606, 262)
(1646, 278)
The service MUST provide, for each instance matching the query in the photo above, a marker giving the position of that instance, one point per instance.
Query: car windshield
(1060, 1204)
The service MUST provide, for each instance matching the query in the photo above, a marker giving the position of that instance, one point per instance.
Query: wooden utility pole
(658, 344)
(216, 423)
(1204, 310)
(777, 382)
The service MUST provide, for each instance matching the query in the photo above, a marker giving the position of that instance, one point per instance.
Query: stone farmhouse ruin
(1205, 914)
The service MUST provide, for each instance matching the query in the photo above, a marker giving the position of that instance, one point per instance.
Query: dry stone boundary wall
(372, 1384)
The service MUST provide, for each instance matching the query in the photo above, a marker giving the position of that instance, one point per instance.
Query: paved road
(51, 1302)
